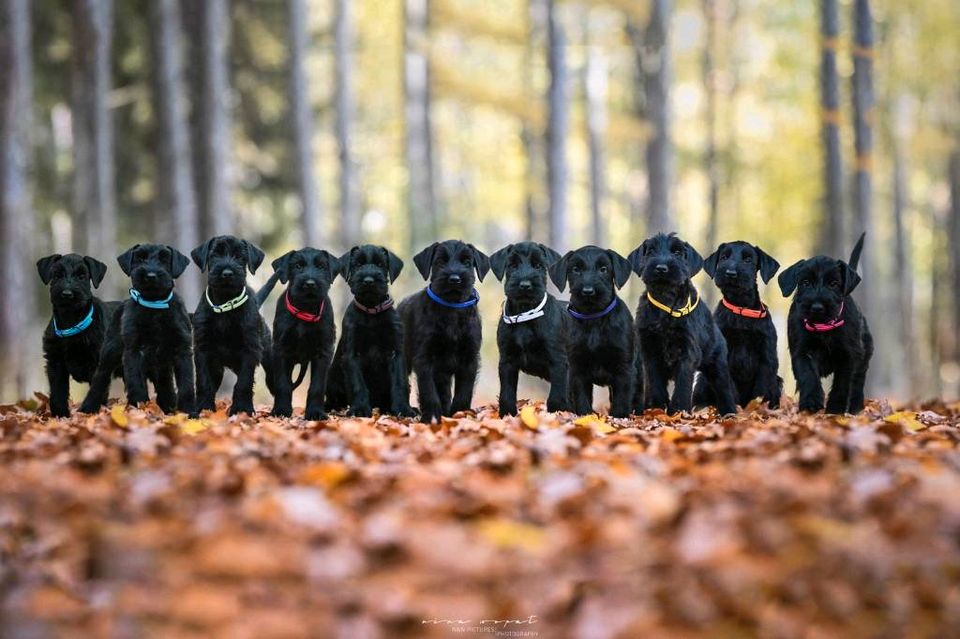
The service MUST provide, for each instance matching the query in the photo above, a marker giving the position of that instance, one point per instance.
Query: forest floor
(772, 524)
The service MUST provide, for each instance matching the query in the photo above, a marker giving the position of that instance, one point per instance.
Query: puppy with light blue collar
(150, 336)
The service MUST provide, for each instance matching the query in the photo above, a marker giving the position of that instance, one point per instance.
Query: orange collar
(746, 312)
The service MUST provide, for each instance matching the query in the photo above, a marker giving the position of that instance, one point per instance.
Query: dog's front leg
(134, 377)
(206, 393)
(839, 398)
(656, 393)
(319, 368)
(621, 391)
(808, 383)
(165, 389)
(242, 401)
(558, 398)
(581, 392)
(399, 387)
(682, 400)
(357, 392)
(183, 374)
(465, 378)
(59, 380)
(767, 384)
(283, 383)
(426, 390)
(509, 377)
(111, 355)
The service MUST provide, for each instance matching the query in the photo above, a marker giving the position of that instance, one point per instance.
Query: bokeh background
(794, 125)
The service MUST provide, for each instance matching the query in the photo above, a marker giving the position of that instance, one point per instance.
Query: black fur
(751, 341)
(675, 348)
(237, 339)
(310, 272)
(822, 285)
(536, 347)
(600, 351)
(76, 356)
(442, 345)
(368, 371)
(151, 344)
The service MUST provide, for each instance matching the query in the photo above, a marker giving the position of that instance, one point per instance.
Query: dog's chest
(526, 345)
(78, 354)
(669, 338)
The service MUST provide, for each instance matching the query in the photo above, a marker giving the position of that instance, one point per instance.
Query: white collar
(525, 316)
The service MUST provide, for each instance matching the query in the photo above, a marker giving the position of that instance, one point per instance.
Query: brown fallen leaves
(770, 524)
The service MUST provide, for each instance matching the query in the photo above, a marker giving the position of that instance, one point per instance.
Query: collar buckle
(525, 316)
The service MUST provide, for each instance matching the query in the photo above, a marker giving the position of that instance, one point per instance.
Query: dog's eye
(678, 252)
(465, 261)
(576, 270)
(603, 269)
(804, 283)
(834, 284)
(726, 255)
(298, 266)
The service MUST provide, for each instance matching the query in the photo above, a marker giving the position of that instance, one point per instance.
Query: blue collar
(593, 316)
(442, 302)
(73, 330)
(138, 298)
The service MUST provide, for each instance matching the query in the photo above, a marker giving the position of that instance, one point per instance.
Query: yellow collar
(679, 312)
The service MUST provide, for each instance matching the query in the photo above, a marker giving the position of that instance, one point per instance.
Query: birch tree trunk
(302, 112)
(557, 128)
(831, 243)
(595, 94)
(343, 33)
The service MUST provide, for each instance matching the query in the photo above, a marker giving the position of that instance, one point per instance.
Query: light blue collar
(73, 330)
(138, 298)
(442, 302)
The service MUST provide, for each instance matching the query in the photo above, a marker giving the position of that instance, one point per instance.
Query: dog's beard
(453, 292)
(369, 294)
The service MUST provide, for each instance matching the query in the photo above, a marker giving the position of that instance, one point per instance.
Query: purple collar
(593, 316)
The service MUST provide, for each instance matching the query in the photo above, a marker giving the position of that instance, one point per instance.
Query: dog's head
(69, 278)
(369, 270)
(226, 259)
(309, 271)
(523, 269)
(153, 268)
(821, 284)
(665, 261)
(734, 266)
(450, 268)
(594, 275)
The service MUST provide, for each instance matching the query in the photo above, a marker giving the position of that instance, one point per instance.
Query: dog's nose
(662, 268)
(588, 291)
(525, 285)
(817, 307)
(454, 278)
(151, 275)
(731, 272)
(310, 283)
(227, 272)
(368, 279)
(67, 294)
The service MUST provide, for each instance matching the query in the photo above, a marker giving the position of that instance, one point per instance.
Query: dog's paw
(282, 411)
(59, 410)
(807, 406)
(360, 410)
(404, 411)
(556, 405)
(314, 414)
(89, 407)
(241, 407)
(508, 408)
(209, 405)
(429, 414)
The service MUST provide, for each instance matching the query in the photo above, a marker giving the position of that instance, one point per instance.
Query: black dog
(75, 334)
(533, 328)
(745, 323)
(826, 332)
(303, 327)
(150, 335)
(368, 370)
(676, 334)
(600, 346)
(227, 328)
(441, 327)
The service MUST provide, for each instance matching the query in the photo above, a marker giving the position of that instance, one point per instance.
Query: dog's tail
(857, 250)
(303, 373)
(267, 288)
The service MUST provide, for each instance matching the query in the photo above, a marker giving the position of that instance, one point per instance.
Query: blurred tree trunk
(16, 212)
(176, 197)
(302, 112)
(421, 194)
(903, 265)
(94, 177)
(343, 32)
(557, 128)
(595, 94)
(531, 138)
(954, 248)
(710, 152)
(831, 243)
(212, 115)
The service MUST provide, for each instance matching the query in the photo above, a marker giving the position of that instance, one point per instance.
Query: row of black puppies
(436, 333)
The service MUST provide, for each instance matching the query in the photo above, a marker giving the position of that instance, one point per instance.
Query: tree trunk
(421, 194)
(954, 249)
(94, 177)
(176, 197)
(557, 128)
(343, 31)
(298, 34)
(531, 138)
(903, 268)
(831, 243)
(16, 213)
(710, 151)
(595, 94)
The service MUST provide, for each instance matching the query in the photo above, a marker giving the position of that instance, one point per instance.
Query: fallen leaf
(194, 426)
(507, 533)
(595, 422)
(907, 419)
(118, 415)
(528, 416)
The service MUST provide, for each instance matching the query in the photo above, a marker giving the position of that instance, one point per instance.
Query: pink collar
(374, 310)
(815, 327)
(303, 315)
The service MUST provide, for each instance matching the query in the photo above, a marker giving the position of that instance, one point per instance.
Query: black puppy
(532, 332)
(368, 370)
(303, 327)
(600, 346)
(75, 334)
(826, 332)
(228, 330)
(745, 323)
(150, 336)
(676, 334)
(441, 327)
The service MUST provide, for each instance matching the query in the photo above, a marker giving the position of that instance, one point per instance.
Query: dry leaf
(528, 416)
(118, 415)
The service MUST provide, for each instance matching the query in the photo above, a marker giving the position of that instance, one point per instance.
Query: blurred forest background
(794, 125)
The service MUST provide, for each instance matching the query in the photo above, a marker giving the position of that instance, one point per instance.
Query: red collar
(374, 310)
(303, 315)
(745, 312)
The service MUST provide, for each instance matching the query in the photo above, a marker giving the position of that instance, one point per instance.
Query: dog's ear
(558, 271)
(621, 268)
(254, 256)
(333, 264)
(637, 259)
(45, 265)
(280, 266)
(480, 261)
(850, 277)
(694, 260)
(768, 266)
(552, 257)
(178, 262)
(710, 263)
(424, 260)
(394, 265)
(97, 270)
(788, 279)
(498, 261)
(345, 262)
(125, 260)
(200, 254)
